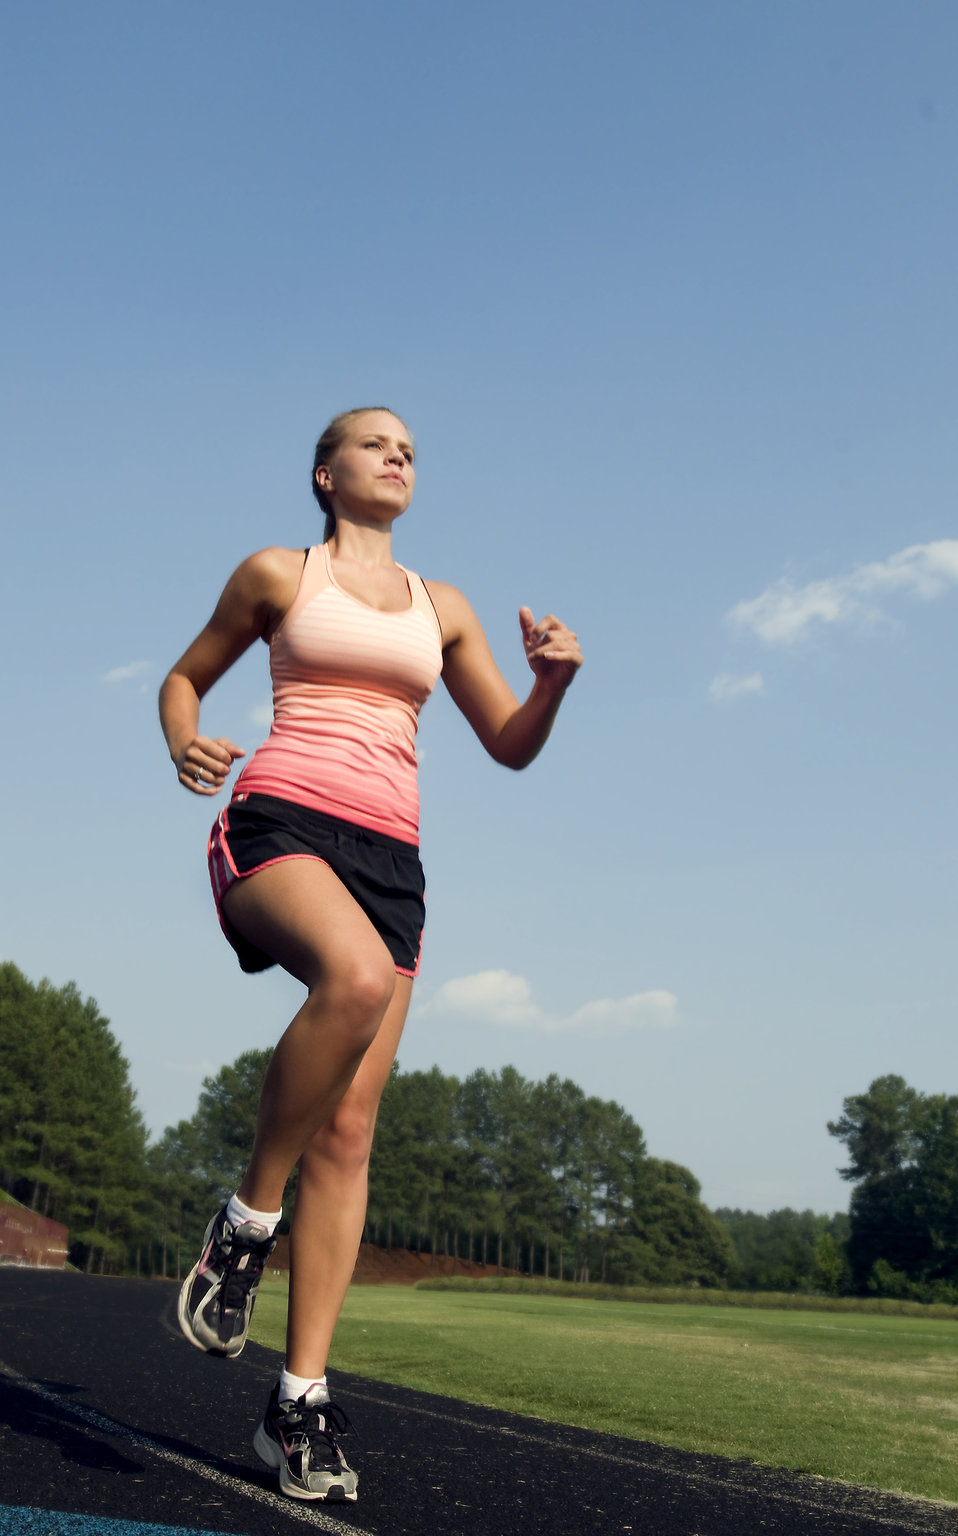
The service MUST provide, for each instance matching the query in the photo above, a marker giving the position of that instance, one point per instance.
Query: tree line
(902, 1148)
(72, 1142)
(535, 1177)
(789, 1250)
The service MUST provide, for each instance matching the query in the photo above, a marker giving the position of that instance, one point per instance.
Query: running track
(111, 1425)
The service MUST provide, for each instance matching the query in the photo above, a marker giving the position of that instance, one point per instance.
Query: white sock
(237, 1213)
(292, 1388)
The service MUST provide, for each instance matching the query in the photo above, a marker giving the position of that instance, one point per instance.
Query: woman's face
(372, 469)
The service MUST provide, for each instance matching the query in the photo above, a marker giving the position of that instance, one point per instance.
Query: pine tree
(72, 1142)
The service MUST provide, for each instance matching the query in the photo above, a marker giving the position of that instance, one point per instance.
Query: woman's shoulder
(274, 561)
(273, 567)
(265, 583)
(443, 592)
(452, 608)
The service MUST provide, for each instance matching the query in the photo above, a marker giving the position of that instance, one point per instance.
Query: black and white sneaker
(216, 1298)
(299, 1439)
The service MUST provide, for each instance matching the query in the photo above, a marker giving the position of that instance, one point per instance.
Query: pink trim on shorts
(224, 874)
(223, 871)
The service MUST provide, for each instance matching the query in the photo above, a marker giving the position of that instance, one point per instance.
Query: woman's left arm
(511, 732)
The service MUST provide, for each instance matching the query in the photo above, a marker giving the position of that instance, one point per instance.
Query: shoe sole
(269, 1452)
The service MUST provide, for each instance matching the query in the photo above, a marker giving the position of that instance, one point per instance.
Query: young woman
(315, 867)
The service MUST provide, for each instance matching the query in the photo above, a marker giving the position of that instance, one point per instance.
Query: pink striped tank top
(348, 684)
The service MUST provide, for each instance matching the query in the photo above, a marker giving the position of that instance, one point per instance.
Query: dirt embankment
(398, 1266)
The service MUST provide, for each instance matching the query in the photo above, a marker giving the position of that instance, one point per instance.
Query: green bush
(943, 1309)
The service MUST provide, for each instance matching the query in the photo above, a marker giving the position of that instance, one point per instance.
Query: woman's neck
(360, 544)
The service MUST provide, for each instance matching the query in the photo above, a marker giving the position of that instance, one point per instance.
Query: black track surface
(106, 1411)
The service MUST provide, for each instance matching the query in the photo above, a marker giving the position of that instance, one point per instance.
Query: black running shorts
(382, 874)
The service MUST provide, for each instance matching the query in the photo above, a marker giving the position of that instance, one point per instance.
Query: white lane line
(903, 1508)
(311, 1513)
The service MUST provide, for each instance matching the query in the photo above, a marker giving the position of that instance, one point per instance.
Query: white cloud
(130, 673)
(262, 715)
(494, 996)
(783, 613)
(498, 997)
(726, 687)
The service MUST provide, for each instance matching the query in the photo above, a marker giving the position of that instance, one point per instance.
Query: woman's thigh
(302, 915)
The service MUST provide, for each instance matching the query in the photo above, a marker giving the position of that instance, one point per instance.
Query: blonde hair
(333, 438)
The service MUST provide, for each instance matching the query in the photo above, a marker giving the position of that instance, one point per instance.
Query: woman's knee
(356, 990)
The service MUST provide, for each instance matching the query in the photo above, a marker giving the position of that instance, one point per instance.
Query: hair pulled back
(333, 438)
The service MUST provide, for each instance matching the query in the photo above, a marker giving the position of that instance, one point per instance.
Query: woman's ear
(323, 478)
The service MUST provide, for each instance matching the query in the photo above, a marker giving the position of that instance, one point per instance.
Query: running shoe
(216, 1298)
(299, 1439)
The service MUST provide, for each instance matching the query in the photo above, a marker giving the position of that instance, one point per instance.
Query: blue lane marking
(51, 1522)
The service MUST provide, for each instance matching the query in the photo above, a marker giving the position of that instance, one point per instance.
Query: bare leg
(331, 1201)
(299, 912)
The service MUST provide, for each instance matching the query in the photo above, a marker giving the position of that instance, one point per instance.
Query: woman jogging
(315, 867)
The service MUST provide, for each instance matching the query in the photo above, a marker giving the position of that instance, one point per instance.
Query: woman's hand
(512, 733)
(552, 650)
(204, 764)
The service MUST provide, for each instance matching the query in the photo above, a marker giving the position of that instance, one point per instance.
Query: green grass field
(865, 1398)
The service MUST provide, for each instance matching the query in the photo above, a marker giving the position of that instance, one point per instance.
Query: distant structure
(26, 1238)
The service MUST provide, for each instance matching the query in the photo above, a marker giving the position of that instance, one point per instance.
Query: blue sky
(666, 293)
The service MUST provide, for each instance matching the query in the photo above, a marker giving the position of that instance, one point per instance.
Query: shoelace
(322, 1438)
(240, 1281)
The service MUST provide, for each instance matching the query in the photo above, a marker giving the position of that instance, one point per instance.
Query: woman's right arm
(255, 598)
